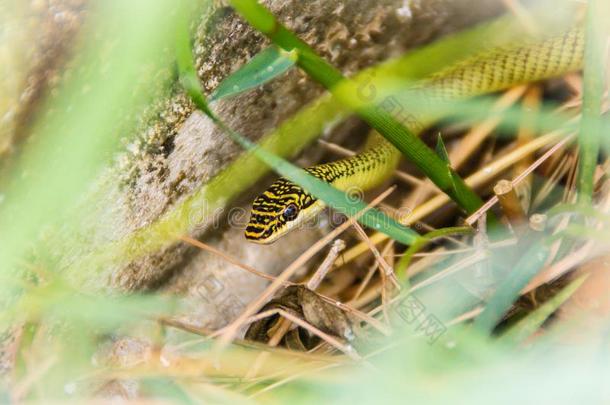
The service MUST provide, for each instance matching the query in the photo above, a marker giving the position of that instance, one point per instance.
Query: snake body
(285, 205)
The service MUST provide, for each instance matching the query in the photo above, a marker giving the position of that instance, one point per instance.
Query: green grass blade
(509, 290)
(186, 68)
(582, 210)
(593, 93)
(422, 241)
(166, 389)
(441, 150)
(533, 321)
(584, 232)
(266, 65)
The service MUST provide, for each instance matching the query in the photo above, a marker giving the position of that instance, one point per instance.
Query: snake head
(281, 208)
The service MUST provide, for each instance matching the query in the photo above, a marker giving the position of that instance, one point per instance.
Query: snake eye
(290, 212)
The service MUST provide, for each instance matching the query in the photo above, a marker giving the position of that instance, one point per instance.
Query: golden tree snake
(285, 205)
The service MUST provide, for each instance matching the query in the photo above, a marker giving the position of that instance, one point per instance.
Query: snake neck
(363, 171)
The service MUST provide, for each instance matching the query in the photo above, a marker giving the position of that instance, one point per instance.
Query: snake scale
(285, 205)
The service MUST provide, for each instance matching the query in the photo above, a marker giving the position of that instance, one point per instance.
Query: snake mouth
(260, 238)
(265, 235)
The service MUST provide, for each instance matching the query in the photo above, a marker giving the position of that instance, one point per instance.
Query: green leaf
(578, 209)
(526, 268)
(407, 256)
(165, 388)
(530, 324)
(268, 64)
(186, 67)
(577, 231)
(594, 73)
(441, 151)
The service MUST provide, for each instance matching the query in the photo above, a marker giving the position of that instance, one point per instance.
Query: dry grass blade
(35, 374)
(475, 217)
(465, 316)
(383, 265)
(531, 104)
(469, 143)
(566, 165)
(228, 258)
(291, 378)
(370, 273)
(478, 179)
(252, 319)
(283, 328)
(466, 262)
(233, 363)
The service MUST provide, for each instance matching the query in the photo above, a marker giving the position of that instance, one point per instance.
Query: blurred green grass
(75, 143)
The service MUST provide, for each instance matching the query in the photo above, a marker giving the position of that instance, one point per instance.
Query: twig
(336, 249)
(174, 323)
(369, 274)
(537, 222)
(383, 265)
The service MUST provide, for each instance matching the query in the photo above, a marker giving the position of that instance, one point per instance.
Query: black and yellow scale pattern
(503, 67)
(369, 169)
(489, 71)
